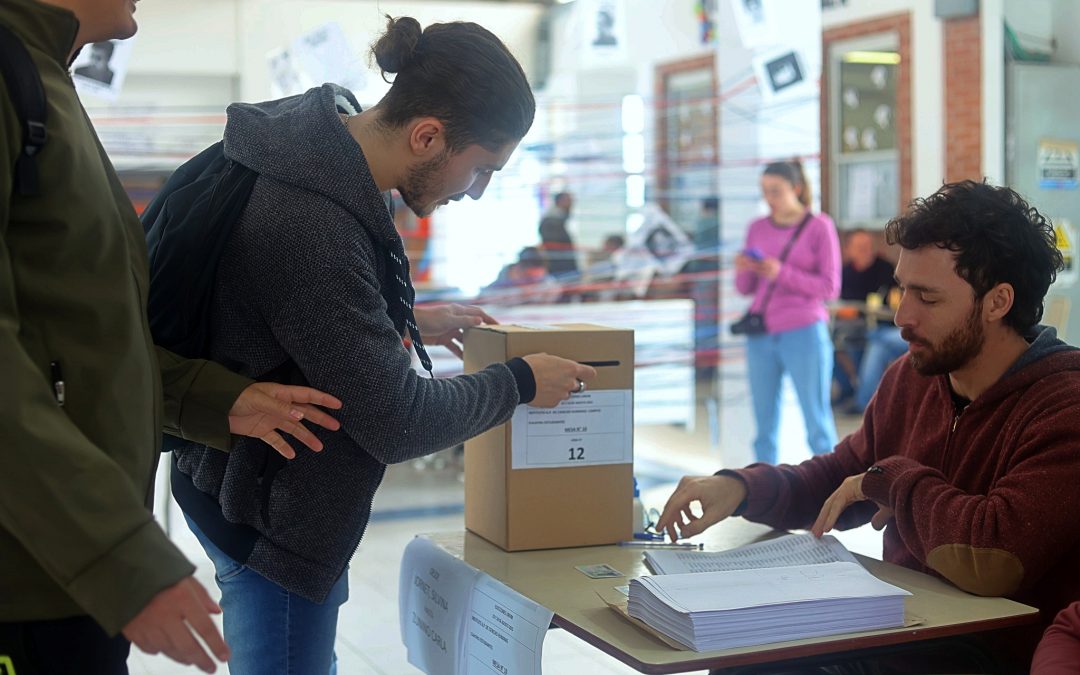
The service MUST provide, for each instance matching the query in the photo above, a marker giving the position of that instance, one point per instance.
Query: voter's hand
(718, 496)
(557, 379)
(445, 324)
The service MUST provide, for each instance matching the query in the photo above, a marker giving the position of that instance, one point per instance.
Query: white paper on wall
(101, 67)
(754, 20)
(603, 31)
(781, 74)
(316, 57)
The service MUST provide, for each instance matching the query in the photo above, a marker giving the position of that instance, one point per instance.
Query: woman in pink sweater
(791, 293)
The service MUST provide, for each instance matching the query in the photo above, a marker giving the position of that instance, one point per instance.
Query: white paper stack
(791, 549)
(722, 610)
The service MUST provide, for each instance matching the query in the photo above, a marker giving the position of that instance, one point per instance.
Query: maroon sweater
(988, 498)
(1059, 651)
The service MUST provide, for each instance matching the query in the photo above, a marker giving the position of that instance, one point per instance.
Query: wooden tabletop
(549, 578)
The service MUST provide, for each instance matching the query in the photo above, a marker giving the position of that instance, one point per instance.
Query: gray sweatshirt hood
(1043, 341)
(300, 140)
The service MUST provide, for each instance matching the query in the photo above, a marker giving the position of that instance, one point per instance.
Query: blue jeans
(268, 629)
(883, 346)
(806, 354)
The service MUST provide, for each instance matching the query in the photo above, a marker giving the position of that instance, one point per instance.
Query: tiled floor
(368, 638)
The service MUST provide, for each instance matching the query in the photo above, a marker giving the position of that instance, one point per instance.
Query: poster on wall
(1058, 164)
(707, 14)
(1065, 235)
(604, 31)
(754, 21)
(316, 57)
(781, 74)
(101, 67)
(285, 78)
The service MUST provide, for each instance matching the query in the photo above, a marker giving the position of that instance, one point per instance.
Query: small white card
(590, 428)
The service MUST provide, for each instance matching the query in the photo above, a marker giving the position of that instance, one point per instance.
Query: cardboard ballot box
(559, 477)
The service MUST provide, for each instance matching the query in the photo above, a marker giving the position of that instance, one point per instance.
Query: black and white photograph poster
(323, 54)
(603, 25)
(755, 21)
(285, 79)
(100, 68)
(781, 74)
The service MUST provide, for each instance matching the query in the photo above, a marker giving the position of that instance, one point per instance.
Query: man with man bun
(313, 287)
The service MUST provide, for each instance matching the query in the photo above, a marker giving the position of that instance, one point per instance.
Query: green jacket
(76, 481)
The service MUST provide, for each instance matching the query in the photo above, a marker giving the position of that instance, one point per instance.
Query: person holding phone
(790, 265)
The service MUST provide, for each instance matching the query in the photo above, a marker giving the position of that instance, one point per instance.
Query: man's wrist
(523, 378)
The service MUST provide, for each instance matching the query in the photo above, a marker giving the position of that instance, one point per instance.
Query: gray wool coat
(300, 296)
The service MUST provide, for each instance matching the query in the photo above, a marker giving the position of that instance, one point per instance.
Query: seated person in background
(523, 282)
(967, 455)
(864, 275)
(600, 275)
(1059, 650)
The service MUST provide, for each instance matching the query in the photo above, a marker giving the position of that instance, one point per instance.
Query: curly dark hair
(997, 237)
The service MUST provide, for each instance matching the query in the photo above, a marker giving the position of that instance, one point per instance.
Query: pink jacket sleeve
(1059, 650)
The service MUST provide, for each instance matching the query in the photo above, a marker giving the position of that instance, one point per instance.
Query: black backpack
(187, 225)
(28, 97)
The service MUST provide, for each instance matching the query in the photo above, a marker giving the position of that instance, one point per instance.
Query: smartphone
(754, 254)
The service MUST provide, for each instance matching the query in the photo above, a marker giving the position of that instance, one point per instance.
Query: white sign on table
(456, 620)
(593, 427)
(506, 631)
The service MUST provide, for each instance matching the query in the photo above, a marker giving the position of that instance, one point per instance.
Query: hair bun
(396, 49)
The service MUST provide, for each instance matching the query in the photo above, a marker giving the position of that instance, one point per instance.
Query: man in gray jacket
(313, 287)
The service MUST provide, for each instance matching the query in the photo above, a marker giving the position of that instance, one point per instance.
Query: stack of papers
(723, 610)
(792, 549)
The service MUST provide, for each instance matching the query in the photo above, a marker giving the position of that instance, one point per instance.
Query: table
(549, 578)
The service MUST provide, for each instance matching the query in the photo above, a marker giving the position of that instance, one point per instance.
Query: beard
(955, 351)
(418, 189)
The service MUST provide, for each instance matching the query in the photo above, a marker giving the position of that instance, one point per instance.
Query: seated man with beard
(967, 455)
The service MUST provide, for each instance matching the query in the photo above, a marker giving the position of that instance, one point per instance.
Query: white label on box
(593, 427)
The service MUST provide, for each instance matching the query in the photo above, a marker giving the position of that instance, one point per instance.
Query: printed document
(590, 428)
(786, 551)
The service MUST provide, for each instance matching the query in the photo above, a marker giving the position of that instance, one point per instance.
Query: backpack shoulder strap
(28, 97)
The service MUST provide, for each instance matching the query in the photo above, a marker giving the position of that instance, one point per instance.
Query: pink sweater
(987, 499)
(809, 277)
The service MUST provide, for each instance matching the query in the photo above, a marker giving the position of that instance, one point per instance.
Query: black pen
(600, 364)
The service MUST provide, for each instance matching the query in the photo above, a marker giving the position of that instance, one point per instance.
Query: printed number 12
(576, 454)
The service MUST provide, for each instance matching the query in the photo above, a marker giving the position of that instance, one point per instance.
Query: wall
(1066, 19)
(277, 22)
(963, 99)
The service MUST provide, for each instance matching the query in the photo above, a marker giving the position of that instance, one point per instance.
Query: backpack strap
(28, 98)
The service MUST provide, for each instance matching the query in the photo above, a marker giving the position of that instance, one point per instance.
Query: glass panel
(867, 105)
(869, 192)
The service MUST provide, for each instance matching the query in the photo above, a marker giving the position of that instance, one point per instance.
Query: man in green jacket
(85, 394)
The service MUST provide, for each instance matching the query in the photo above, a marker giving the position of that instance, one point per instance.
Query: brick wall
(963, 99)
(901, 25)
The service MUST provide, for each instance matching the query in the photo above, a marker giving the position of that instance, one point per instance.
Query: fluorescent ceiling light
(889, 58)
